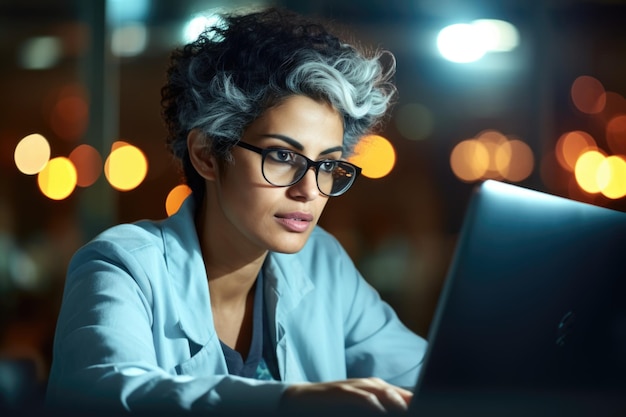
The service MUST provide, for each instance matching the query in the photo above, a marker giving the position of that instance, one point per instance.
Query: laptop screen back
(532, 318)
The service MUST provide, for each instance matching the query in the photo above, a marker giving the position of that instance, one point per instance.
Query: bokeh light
(492, 155)
(175, 198)
(460, 43)
(32, 154)
(615, 106)
(58, 179)
(588, 94)
(39, 53)
(492, 140)
(129, 39)
(69, 116)
(497, 35)
(469, 42)
(611, 177)
(571, 145)
(126, 166)
(375, 155)
(469, 160)
(586, 170)
(414, 121)
(199, 24)
(514, 160)
(88, 163)
(616, 134)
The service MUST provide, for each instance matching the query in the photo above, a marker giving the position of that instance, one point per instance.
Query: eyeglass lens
(284, 168)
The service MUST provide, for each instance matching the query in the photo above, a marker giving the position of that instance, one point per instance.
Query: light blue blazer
(135, 329)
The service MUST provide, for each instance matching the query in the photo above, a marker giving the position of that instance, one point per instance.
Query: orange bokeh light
(88, 163)
(69, 115)
(571, 145)
(375, 155)
(588, 94)
(176, 197)
(515, 160)
(616, 134)
(469, 160)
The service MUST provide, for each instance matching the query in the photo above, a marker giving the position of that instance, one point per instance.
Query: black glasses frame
(309, 164)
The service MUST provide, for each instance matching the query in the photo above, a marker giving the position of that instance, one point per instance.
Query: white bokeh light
(198, 24)
(461, 43)
(469, 42)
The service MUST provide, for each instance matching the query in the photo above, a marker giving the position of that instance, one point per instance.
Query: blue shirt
(260, 351)
(135, 329)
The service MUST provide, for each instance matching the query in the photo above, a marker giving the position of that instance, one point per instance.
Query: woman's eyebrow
(298, 145)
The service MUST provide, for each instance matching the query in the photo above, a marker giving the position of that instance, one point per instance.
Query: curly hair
(237, 69)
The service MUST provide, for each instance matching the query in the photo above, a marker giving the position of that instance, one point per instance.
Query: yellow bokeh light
(126, 167)
(611, 177)
(586, 171)
(32, 153)
(375, 155)
(58, 179)
(469, 160)
(176, 197)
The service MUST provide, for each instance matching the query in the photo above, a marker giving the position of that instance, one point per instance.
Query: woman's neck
(232, 266)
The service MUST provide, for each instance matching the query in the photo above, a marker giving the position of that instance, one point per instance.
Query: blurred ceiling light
(469, 42)
(497, 35)
(460, 43)
(40, 52)
(198, 24)
(129, 39)
(120, 11)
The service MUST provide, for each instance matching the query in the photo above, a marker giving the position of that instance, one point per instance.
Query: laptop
(532, 317)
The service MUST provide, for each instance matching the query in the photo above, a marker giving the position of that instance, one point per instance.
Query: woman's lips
(295, 222)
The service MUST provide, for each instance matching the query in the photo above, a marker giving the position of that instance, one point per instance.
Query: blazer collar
(285, 279)
(187, 274)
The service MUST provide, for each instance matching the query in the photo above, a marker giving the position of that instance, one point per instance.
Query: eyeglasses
(284, 167)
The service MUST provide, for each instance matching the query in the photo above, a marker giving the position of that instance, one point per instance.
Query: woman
(239, 301)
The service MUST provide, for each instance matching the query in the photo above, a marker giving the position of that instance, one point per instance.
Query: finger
(365, 398)
(393, 401)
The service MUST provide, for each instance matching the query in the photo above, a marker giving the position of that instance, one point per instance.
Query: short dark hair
(238, 68)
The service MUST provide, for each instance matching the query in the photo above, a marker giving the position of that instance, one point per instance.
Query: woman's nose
(306, 188)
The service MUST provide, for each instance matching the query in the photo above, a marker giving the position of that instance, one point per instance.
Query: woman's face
(273, 218)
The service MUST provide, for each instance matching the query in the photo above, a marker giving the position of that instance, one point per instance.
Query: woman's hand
(352, 396)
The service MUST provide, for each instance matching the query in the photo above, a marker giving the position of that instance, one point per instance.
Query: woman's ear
(201, 159)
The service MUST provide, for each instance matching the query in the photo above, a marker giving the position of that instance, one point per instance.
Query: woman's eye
(282, 156)
(329, 165)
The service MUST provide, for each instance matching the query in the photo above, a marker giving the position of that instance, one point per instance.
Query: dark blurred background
(399, 229)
